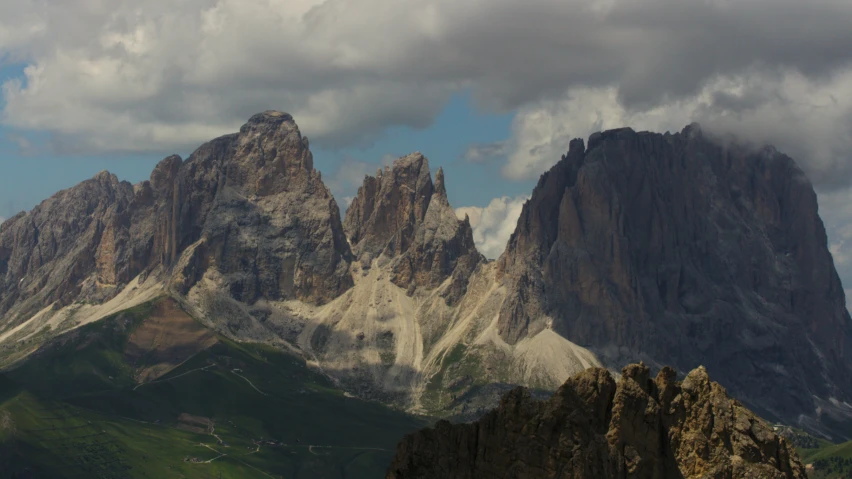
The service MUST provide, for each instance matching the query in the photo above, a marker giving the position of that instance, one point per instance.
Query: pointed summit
(271, 229)
(165, 172)
(270, 155)
(403, 216)
(389, 205)
(442, 247)
(440, 189)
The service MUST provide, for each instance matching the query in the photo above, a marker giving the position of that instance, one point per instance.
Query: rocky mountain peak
(596, 428)
(270, 156)
(245, 210)
(105, 177)
(647, 241)
(440, 193)
(271, 118)
(388, 206)
(165, 172)
(54, 253)
(663, 248)
(400, 214)
(250, 207)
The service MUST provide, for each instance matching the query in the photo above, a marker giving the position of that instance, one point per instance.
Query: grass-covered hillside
(828, 461)
(151, 393)
(823, 459)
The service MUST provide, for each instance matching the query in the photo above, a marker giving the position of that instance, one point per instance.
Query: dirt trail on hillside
(166, 339)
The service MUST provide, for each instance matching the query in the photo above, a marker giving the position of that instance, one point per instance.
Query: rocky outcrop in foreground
(595, 428)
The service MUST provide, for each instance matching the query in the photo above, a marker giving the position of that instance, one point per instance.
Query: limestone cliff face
(595, 428)
(251, 207)
(71, 245)
(402, 216)
(677, 249)
(248, 207)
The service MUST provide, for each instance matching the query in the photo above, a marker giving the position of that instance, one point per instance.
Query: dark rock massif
(680, 249)
(401, 215)
(595, 428)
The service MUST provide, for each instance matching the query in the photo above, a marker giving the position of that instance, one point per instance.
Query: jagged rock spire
(440, 188)
(388, 206)
(404, 216)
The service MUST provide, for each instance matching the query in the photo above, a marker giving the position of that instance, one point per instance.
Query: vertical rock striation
(252, 206)
(402, 216)
(388, 208)
(249, 206)
(75, 244)
(682, 249)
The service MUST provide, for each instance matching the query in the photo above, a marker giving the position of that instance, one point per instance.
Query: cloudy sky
(492, 90)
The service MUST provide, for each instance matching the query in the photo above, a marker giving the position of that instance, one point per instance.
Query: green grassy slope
(74, 410)
(826, 460)
(830, 461)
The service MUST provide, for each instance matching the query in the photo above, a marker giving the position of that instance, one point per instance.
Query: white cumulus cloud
(493, 224)
(159, 75)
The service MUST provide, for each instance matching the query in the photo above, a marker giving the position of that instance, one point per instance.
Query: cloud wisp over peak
(484, 152)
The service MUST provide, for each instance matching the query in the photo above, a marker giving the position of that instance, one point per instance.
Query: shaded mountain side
(389, 206)
(596, 428)
(273, 229)
(681, 249)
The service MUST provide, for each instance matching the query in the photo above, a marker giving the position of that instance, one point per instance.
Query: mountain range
(672, 249)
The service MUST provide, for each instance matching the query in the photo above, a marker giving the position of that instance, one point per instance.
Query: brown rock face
(258, 213)
(389, 206)
(75, 243)
(595, 428)
(677, 249)
(249, 205)
(403, 216)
